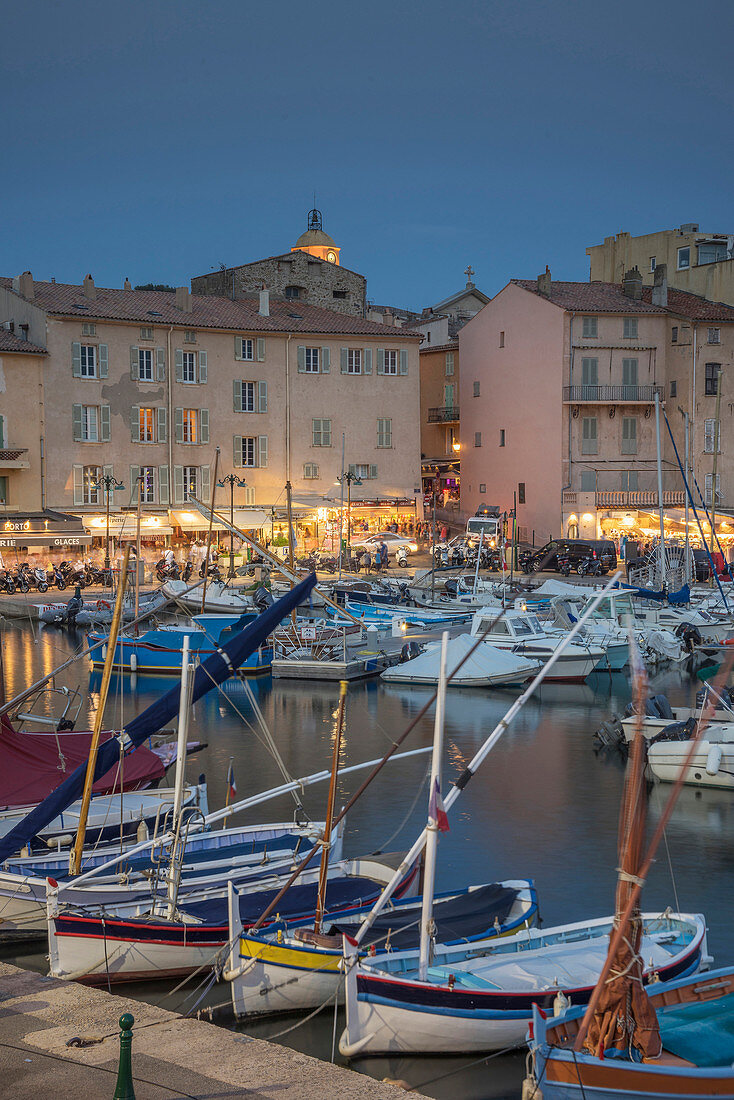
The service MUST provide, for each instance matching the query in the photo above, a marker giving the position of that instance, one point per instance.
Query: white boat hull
(708, 768)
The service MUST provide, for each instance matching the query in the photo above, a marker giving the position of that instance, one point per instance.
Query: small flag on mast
(436, 810)
(231, 785)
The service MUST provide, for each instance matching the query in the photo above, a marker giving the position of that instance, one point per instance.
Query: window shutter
(76, 423)
(237, 451)
(78, 484)
(178, 484)
(367, 360)
(178, 425)
(163, 494)
(179, 377)
(104, 423)
(238, 347)
(206, 488)
(3, 431)
(262, 450)
(237, 395)
(135, 485)
(380, 360)
(134, 364)
(135, 423)
(629, 372)
(325, 360)
(204, 426)
(352, 469)
(104, 361)
(162, 424)
(373, 471)
(589, 372)
(108, 471)
(261, 350)
(301, 359)
(160, 364)
(203, 367)
(403, 361)
(76, 361)
(344, 357)
(262, 397)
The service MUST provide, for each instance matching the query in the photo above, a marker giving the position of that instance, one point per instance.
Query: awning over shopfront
(55, 530)
(123, 525)
(247, 519)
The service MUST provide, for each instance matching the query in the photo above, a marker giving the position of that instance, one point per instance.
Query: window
(629, 378)
(684, 258)
(384, 432)
(4, 499)
(652, 263)
(502, 339)
(502, 437)
(145, 364)
(310, 471)
(338, 293)
(188, 371)
(629, 435)
(589, 377)
(448, 396)
(90, 485)
(630, 328)
(451, 438)
(190, 482)
(90, 424)
(354, 360)
(449, 363)
(590, 327)
(88, 361)
(714, 336)
(391, 362)
(588, 435)
(629, 481)
(364, 470)
(711, 385)
(712, 253)
(712, 432)
(89, 328)
(191, 366)
(247, 349)
(147, 484)
(588, 481)
(476, 390)
(673, 388)
(189, 425)
(477, 439)
(321, 433)
(708, 485)
(189, 336)
(674, 334)
(146, 425)
(247, 397)
(521, 492)
(292, 292)
(249, 450)
(146, 333)
(313, 356)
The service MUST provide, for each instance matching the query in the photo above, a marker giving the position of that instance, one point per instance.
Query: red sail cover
(32, 766)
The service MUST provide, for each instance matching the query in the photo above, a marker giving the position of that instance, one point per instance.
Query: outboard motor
(690, 636)
(262, 599)
(409, 651)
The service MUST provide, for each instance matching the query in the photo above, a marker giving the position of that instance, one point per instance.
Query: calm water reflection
(544, 806)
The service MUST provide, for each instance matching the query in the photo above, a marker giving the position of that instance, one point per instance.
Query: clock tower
(316, 242)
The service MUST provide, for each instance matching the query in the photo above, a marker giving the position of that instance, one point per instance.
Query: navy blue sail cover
(217, 668)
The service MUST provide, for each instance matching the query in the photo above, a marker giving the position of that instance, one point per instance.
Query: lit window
(321, 433)
(189, 433)
(147, 484)
(391, 362)
(190, 482)
(145, 364)
(313, 357)
(88, 354)
(90, 484)
(630, 328)
(147, 425)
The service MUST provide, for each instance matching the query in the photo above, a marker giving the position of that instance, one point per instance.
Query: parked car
(391, 540)
(576, 551)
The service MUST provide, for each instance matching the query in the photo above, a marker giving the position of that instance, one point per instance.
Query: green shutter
(403, 361)
(179, 378)
(206, 488)
(76, 423)
(160, 364)
(237, 395)
(134, 363)
(237, 451)
(380, 360)
(76, 359)
(135, 423)
(104, 423)
(178, 425)
(262, 450)
(104, 361)
(589, 372)
(367, 360)
(238, 347)
(344, 358)
(373, 471)
(163, 493)
(301, 359)
(325, 360)
(204, 426)
(78, 472)
(353, 469)
(135, 485)
(162, 424)
(262, 397)
(261, 349)
(178, 484)
(203, 367)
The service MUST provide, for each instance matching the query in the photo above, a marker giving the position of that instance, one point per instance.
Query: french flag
(436, 810)
(231, 785)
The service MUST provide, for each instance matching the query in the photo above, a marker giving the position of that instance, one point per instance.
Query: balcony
(11, 458)
(623, 498)
(444, 414)
(610, 395)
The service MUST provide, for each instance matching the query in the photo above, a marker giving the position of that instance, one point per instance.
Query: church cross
(469, 272)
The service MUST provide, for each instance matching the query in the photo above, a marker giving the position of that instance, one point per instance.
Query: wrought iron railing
(443, 414)
(609, 394)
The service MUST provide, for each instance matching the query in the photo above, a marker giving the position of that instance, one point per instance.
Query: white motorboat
(712, 764)
(488, 666)
(522, 633)
(220, 599)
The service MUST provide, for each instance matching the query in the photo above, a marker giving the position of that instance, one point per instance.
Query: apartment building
(439, 417)
(148, 384)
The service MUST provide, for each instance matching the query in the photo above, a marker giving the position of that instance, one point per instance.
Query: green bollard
(124, 1088)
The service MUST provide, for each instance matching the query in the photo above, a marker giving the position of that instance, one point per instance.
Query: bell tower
(315, 241)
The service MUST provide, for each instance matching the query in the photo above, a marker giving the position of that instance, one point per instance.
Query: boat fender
(560, 1003)
(713, 760)
(531, 1089)
(133, 662)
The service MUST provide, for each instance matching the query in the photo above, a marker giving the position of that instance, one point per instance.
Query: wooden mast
(326, 841)
(209, 533)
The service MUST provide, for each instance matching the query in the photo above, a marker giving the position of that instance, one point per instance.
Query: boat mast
(139, 484)
(75, 856)
(431, 852)
(661, 551)
(717, 438)
(174, 867)
(209, 532)
(289, 510)
(326, 839)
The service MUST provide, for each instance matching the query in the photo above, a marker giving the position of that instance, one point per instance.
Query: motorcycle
(594, 567)
(57, 577)
(166, 571)
(75, 575)
(564, 565)
(212, 572)
(401, 557)
(7, 584)
(36, 578)
(20, 580)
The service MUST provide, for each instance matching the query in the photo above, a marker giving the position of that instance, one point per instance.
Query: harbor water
(544, 806)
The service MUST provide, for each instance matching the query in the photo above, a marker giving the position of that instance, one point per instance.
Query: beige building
(440, 437)
(149, 383)
(701, 263)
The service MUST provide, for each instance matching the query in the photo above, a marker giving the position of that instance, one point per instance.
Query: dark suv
(576, 550)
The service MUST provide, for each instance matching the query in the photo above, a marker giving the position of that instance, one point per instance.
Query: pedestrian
(384, 562)
(444, 533)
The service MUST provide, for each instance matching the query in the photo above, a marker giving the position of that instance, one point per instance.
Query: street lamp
(108, 483)
(350, 479)
(231, 480)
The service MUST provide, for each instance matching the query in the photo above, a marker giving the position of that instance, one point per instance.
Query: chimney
(632, 284)
(545, 284)
(264, 303)
(127, 285)
(24, 285)
(660, 286)
(183, 299)
(88, 287)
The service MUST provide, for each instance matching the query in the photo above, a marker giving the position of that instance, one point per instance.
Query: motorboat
(712, 763)
(522, 633)
(488, 666)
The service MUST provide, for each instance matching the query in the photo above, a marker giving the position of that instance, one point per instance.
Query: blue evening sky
(159, 139)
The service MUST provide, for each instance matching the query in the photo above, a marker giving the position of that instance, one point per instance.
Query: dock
(171, 1056)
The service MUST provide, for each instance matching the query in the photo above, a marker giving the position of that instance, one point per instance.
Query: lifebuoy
(103, 605)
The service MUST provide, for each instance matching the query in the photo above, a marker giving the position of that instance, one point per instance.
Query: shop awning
(46, 528)
(248, 519)
(123, 525)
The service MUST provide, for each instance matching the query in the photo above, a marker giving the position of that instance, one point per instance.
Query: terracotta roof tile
(453, 345)
(693, 306)
(593, 297)
(9, 342)
(156, 307)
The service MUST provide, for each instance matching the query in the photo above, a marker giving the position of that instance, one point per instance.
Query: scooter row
(64, 575)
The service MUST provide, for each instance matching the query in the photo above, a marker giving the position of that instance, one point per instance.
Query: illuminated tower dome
(316, 242)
